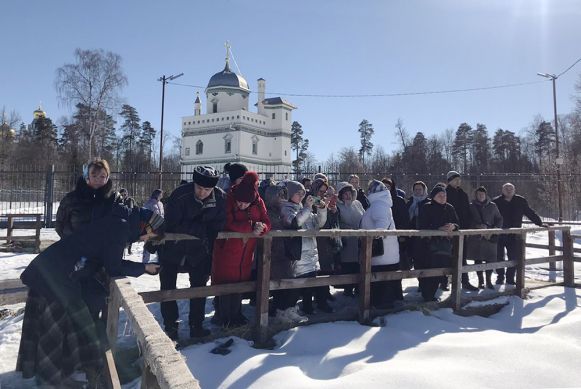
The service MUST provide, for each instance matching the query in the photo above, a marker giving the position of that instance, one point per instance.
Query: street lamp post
(164, 80)
(558, 160)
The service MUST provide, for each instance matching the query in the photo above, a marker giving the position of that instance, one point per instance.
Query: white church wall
(226, 101)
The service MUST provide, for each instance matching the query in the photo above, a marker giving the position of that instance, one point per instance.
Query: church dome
(227, 78)
(39, 113)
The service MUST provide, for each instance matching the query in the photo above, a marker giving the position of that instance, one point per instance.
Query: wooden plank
(159, 353)
(549, 260)
(20, 238)
(365, 281)
(113, 316)
(11, 284)
(13, 296)
(202, 291)
(112, 381)
(326, 280)
(9, 228)
(568, 263)
(552, 266)
(456, 292)
(148, 380)
(262, 292)
(520, 269)
(489, 266)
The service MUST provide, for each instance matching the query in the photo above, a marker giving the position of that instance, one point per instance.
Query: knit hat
(343, 186)
(292, 187)
(205, 176)
(376, 186)
(437, 189)
(246, 190)
(149, 218)
(451, 175)
(235, 170)
(481, 189)
(321, 176)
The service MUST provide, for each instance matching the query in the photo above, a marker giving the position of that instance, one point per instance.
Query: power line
(569, 68)
(434, 92)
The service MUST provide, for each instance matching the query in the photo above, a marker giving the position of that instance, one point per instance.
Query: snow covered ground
(530, 343)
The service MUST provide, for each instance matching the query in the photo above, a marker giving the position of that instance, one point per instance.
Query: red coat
(232, 258)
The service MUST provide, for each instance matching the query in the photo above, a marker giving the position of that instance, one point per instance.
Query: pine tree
(130, 127)
(462, 146)
(480, 148)
(299, 145)
(365, 133)
(146, 139)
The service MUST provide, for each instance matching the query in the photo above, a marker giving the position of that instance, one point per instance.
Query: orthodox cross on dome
(227, 45)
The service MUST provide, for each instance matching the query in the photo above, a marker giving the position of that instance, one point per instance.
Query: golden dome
(39, 113)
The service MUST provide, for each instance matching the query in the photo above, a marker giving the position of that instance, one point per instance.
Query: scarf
(414, 207)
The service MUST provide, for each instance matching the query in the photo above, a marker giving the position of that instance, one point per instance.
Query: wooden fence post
(113, 315)
(365, 281)
(568, 260)
(262, 292)
(457, 276)
(10, 227)
(520, 270)
(148, 379)
(552, 251)
(37, 226)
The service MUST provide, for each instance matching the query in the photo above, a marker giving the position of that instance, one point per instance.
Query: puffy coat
(483, 248)
(154, 205)
(58, 272)
(295, 216)
(436, 251)
(350, 216)
(83, 206)
(232, 258)
(280, 266)
(459, 200)
(184, 213)
(512, 211)
(379, 216)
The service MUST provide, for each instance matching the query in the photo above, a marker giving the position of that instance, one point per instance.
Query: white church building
(229, 132)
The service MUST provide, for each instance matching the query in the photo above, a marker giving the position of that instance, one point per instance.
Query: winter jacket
(58, 272)
(280, 266)
(232, 258)
(414, 219)
(327, 248)
(295, 216)
(437, 251)
(459, 200)
(83, 206)
(512, 211)
(483, 248)
(154, 205)
(350, 216)
(184, 213)
(400, 213)
(362, 198)
(378, 216)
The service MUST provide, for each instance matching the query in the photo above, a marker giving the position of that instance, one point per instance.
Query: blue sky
(310, 47)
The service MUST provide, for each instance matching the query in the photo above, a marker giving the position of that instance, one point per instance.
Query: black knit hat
(437, 189)
(205, 176)
(481, 189)
(235, 170)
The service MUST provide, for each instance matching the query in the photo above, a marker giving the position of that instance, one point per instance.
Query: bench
(12, 241)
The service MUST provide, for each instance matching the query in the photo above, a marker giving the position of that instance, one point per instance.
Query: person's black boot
(172, 332)
(489, 279)
(468, 286)
(198, 332)
(480, 280)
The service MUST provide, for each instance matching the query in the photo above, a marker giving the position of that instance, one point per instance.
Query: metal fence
(38, 190)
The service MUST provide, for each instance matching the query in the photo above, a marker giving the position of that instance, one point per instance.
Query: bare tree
(402, 134)
(94, 81)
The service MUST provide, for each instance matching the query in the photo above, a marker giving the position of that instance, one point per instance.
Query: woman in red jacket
(232, 258)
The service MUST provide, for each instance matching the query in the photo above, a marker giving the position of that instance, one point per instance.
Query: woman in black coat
(436, 214)
(60, 333)
(92, 199)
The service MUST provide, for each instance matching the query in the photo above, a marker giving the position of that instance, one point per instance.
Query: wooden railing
(36, 225)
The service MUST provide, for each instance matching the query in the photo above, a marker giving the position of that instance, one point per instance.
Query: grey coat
(350, 219)
(306, 220)
(483, 248)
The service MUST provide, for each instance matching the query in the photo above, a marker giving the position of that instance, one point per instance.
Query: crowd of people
(63, 327)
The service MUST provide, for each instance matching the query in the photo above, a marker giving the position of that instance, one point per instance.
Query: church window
(273, 115)
(199, 147)
(227, 146)
(254, 145)
(286, 115)
(187, 151)
(214, 107)
(238, 117)
(285, 153)
(227, 117)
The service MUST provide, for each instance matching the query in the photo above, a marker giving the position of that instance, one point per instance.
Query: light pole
(558, 160)
(164, 81)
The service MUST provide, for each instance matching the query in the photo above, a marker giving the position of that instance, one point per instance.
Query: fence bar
(262, 292)
(568, 262)
(365, 281)
(457, 276)
(520, 270)
(113, 316)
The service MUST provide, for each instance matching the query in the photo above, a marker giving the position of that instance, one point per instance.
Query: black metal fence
(39, 190)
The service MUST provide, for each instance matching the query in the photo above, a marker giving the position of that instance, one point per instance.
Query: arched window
(254, 145)
(199, 147)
